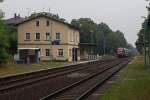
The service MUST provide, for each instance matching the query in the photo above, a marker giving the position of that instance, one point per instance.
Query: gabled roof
(14, 21)
(46, 15)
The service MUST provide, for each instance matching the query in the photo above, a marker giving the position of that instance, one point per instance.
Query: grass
(133, 84)
(11, 69)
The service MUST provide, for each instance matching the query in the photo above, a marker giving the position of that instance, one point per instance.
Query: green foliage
(140, 39)
(102, 33)
(132, 84)
(8, 41)
(12, 39)
(116, 40)
(90, 32)
(3, 43)
(87, 29)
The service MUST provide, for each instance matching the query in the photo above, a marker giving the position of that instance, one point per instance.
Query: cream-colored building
(41, 37)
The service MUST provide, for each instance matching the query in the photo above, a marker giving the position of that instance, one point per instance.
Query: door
(74, 54)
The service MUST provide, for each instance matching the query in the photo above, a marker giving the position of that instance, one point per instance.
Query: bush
(3, 56)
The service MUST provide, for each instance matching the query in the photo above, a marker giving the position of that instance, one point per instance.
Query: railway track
(10, 83)
(80, 90)
(34, 86)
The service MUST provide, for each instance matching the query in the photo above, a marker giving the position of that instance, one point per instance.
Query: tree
(12, 39)
(116, 40)
(100, 34)
(4, 40)
(3, 43)
(1, 12)
(87, 29)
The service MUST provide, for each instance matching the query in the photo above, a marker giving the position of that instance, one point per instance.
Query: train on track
(123, 52)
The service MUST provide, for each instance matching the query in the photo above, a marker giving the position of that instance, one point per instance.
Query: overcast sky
(124, 15)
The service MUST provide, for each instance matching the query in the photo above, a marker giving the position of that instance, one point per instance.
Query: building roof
(46, 15)
(15, 20)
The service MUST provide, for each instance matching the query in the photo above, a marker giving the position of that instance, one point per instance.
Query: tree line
(143, 41)
(101, 35)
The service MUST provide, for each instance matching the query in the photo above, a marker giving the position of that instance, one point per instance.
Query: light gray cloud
(124, 15)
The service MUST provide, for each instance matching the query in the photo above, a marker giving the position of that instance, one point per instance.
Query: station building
(43, 38)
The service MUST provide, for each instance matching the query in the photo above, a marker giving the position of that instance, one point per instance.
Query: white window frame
(61, 52)
(47, 54)
(26, 36)
(36, 36)
(57, 35)
(48, 37)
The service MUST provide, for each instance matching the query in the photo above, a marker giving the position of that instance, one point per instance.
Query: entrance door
(37, 56)
(74, 54)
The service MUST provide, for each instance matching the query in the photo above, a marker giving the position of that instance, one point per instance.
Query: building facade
(43, 38)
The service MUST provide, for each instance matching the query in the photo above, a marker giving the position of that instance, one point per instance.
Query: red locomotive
(122, 52)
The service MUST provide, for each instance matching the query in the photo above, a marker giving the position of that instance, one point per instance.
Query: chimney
(15, 15)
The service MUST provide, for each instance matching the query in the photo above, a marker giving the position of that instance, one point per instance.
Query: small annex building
(43, 38)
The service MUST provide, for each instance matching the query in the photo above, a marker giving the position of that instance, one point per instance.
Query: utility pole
(144, 37)
(91, 40)
(104, 45)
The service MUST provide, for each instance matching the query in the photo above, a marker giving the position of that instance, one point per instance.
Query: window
(27, 36)
(37, 23)
(47, 23)
(60, 52)
(47, 52)
(47, 36)
(37, 36)
(57, 36)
